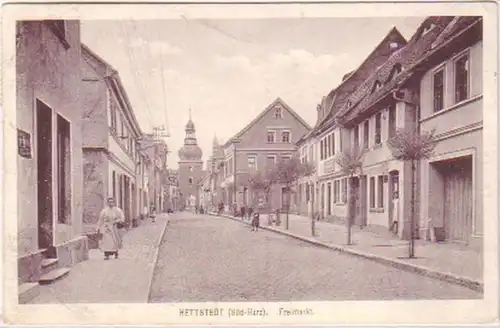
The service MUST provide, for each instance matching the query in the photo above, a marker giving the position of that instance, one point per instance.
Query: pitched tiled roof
(338, 95)
(406, 57)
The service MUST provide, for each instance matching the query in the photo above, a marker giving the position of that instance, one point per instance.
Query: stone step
(28, 291)
(48, 262)
(53, 275)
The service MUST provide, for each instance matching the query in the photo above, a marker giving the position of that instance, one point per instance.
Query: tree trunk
(350, 211)
(313, 223)
(411, 250)
(287, 207)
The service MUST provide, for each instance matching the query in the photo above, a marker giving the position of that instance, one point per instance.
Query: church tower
(190, 166)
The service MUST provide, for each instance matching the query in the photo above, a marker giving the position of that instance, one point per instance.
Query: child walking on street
(255, 221)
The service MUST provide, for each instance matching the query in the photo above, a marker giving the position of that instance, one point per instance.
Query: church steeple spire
(190, 125)
(190, 150)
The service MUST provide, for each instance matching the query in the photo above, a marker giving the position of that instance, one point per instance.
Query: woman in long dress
(110, 218)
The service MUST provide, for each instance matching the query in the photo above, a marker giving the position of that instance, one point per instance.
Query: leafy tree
(287, 173)
(410, 145)
(350, 161)
(261, 182)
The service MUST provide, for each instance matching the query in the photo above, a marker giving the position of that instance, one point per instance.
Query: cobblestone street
(204, 258)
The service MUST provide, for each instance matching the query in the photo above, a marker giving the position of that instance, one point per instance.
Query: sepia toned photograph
(222, 164)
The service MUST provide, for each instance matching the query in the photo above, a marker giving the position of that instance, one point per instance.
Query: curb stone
(472, 284)
(157, 253)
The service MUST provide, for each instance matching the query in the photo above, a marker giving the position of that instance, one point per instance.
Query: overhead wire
(163, 84)
(137, 80)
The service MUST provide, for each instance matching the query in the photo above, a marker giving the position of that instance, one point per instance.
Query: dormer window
(278, 113)
(428, 28)
(376, 86)
(396, 70)
(349, 104)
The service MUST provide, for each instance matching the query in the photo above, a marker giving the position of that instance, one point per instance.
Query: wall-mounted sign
(24, 143)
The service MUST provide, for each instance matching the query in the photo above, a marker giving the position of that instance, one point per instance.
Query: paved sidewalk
(445, 261)
(123, 280)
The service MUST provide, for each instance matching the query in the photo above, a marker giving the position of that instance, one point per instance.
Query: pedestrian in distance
(221, 207)
(255, 221)
(153, 213)
(250, 212)
(111, 220)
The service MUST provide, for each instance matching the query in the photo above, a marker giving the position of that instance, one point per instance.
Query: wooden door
(458, 201)
(44, 175)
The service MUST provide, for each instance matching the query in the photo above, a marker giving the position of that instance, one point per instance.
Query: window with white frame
(311, 153)
(321, 150)
(278, 112)
(344, 190)
(336, 191)
(378, 128)
(461, 66)
(285, 137)
(332, 136)
(392, 120)
(438, 89)
(271, 136)
(328, 146)
(252, 162)
(303, 154)
(271, 160)
(372, 192)
(356, 136)
(366, 136)
(380, 191)
(286, 157)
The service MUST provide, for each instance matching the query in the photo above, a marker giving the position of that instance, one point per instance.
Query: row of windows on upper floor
(461, 80)
(328, 145)
(120, 130)
(251, 162)
(285, 136)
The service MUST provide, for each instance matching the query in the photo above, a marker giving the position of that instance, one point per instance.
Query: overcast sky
(228, 71)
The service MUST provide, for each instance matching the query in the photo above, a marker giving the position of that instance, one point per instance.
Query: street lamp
(234, 141)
